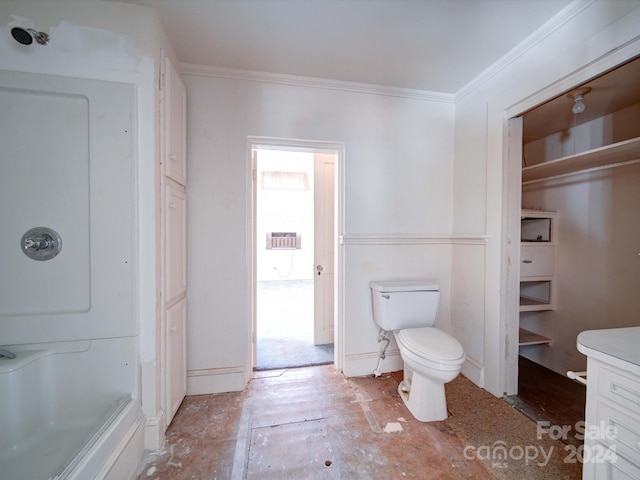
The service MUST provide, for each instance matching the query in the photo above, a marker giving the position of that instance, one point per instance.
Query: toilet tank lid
(404, 286)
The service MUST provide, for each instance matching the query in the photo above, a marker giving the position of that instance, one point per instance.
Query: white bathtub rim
(29, 353)
(23, 358)
(94, 437)
(101, 456)
(114, 433)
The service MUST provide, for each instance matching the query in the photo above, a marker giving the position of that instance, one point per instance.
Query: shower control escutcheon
(41, 243)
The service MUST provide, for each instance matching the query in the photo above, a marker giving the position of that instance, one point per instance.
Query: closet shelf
(529, 338)
(528, 304)
(621, 152)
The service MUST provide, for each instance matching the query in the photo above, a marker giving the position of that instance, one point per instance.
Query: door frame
(314, 146)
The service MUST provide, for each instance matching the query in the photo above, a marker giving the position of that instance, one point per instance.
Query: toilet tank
(404, 304)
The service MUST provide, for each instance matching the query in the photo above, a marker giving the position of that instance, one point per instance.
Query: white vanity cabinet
(612, 432)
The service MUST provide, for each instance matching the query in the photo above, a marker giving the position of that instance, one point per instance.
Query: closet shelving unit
(620, 153)
(537, 268)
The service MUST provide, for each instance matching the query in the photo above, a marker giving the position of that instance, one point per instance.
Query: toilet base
(424, 398)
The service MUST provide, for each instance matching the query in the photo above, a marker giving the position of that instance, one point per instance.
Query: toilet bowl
(431, 356)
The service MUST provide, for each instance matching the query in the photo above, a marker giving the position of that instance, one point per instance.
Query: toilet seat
(432, 345)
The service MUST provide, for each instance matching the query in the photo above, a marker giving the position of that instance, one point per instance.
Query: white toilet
(431, 357)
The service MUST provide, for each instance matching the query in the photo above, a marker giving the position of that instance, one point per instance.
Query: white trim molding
(360, 364)
(154, 428)
(597, 67)
(555, 23)
(413, 239)
(473, 370)
(216, 380)
(302, 81)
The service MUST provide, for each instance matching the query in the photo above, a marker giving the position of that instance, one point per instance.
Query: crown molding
(311, 82)
(565, 15)
(568, 13)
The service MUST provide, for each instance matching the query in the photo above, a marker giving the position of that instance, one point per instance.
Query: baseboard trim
(363, 364)
(473, 370)
(154, 428)
(216, 380)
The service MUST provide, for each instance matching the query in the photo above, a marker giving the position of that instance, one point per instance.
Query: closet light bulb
(578, 105)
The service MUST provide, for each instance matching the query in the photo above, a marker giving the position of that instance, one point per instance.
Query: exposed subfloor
(313, 422)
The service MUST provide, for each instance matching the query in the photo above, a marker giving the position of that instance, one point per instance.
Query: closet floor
(544, 395)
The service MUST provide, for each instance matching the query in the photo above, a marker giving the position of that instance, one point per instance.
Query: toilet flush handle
(384, 295)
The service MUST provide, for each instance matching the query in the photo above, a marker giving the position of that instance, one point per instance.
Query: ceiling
(610, 92)
(432, 45)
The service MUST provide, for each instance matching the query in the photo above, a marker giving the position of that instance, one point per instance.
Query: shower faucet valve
(41, 243)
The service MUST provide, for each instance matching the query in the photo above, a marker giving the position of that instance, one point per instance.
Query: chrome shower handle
(41, 243)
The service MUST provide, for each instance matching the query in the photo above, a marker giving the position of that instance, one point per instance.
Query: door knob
(319, 269)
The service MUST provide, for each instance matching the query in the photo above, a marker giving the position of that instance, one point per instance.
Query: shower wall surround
(67, 248)
(66, 165)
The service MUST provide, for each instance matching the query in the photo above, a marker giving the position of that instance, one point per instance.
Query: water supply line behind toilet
(382, 337)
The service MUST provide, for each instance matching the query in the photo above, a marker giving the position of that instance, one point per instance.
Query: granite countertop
(619, 347)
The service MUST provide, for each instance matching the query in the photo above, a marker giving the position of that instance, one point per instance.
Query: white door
(176, 363)
(174, 305)
(324, 174)
(174, 229)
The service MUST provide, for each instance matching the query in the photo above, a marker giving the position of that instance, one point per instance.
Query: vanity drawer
(620, 389)
(614, 467)
(616, 428)
(537, 260)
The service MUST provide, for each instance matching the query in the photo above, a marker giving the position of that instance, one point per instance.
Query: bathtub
(62, 415)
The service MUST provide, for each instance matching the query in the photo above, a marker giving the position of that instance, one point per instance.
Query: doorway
(293, 259)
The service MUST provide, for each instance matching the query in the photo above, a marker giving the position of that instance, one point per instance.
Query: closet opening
(579, 230)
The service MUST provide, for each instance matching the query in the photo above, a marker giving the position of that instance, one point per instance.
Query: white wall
(586, 32)
(397, 177)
